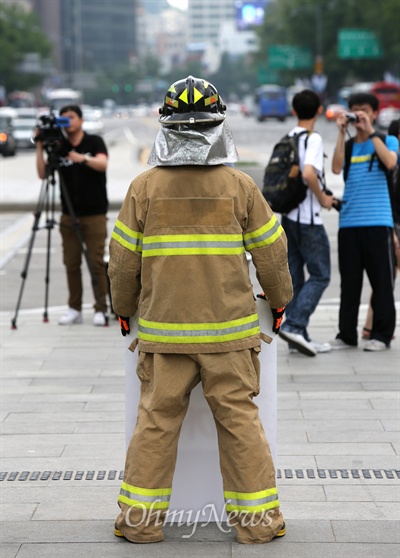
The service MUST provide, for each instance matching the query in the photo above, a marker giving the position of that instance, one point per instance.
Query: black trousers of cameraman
(370, 249)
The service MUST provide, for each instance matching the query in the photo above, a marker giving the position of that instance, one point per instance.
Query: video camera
(50, 130)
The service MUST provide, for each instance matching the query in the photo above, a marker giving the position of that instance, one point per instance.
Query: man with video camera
(365, 240)
(81, 163)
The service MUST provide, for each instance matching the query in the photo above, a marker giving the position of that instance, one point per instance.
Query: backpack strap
(348, 148)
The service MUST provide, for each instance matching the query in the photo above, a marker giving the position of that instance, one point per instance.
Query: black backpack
(283, 186)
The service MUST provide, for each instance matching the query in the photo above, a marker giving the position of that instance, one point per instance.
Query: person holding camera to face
(365, 239)
(82, 164)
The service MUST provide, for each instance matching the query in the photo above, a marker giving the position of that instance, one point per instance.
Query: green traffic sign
(358, 43)
(265, 75)
(289, 57)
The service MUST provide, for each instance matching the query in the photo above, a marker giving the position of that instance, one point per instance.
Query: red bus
(387, 93)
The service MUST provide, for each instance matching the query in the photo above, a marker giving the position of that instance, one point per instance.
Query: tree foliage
(20, 34)
(316, 23)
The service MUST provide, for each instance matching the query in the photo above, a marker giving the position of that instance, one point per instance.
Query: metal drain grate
(102, 475)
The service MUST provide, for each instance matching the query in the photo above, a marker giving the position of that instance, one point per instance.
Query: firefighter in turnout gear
(177, 256)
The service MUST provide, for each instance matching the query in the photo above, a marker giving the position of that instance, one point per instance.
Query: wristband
(373, 135)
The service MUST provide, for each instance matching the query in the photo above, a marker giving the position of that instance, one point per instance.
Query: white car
(93, 121)
(24, 130)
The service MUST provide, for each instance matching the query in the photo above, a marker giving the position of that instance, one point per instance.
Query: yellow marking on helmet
(205, 84)
(184, 96)
(172, 89)
(210, 100)
(171, 102)
(197, 95)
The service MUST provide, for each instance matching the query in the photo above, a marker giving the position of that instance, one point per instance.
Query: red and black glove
(277, 314)
(124, 325)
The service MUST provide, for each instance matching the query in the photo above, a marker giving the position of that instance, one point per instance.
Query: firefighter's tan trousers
(230, 380)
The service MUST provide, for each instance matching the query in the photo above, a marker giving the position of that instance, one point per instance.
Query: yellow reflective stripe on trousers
(264, 236)
(252, 501)
(154, 498)
(132, 240)
(161, 332)
(193, 244)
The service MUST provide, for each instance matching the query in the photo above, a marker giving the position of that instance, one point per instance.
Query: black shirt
(85, 187)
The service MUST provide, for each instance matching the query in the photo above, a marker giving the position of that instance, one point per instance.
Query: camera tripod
(46, 203)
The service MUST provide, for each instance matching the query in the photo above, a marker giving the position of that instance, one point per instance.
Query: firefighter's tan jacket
(177, 254)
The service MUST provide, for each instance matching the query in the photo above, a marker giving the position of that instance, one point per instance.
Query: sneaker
(338, 344)
(100, 319)
(373, 345)
(71, 316)
(321, 347)
(299, 342)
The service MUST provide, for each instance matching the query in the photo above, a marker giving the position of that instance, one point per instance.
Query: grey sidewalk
(62, 416)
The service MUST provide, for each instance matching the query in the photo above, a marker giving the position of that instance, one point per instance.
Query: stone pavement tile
(282, 549)
(37, 428)
(110, 388)
(326, 404)
(336, 449)
(64, 416)
(360, 394)
(391, 425)
(116, 448)
(393, 404)
(367, 511)
(14, 448)
(18, 512)
(66, 397)
(48, 407)
(321, 387)
(301, 494)
(358, 462)
(105, 462)
(9, 550)
(391, 510)
(375, 386)
(295, 461)
(363, 532)
(94, 427)
(289, 414)
(363, 493)
(335, 425)
(287, 436)
(351, 436)
(357, 414)
(124, 549)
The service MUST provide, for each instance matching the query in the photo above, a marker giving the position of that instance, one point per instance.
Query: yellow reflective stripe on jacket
(154, 498)
(198, 332)
(128, 238)
(264, 236)
(193, 244)
(252, 501)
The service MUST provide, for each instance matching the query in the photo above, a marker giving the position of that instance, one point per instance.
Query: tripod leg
(49, 226)
(37, 214)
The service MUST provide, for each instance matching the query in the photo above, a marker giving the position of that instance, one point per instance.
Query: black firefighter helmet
(194, 102)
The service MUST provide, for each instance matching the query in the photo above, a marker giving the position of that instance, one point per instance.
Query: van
(271, 102)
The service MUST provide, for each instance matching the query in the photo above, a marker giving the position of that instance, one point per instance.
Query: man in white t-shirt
(308, 244)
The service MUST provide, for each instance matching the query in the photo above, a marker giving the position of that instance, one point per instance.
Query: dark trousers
(370, 249)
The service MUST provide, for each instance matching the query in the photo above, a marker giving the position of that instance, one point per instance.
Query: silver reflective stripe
(264, 236)
(142, 497)
(127, 237)
(198, 332)
(195, 244)
(257, 502)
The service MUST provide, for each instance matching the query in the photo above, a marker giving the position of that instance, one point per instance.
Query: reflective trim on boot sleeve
(149, 498)
(252, 501)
